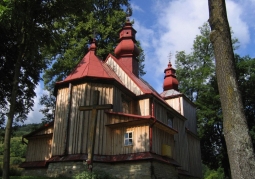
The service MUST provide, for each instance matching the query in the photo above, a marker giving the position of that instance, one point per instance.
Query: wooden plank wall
(79, 122)
(117, 107)
(144, 107)
(59, 122)
(160, 112)
(159, 138)
(176, 103)
(181, 144)
(189, 111)
(126, 80)
(39, 149)
(140, 139)
(195, 165)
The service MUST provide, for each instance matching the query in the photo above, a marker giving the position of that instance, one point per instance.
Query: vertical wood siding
(160, 112)
(189, 112)
(125, 79)
(58, 145)
(181, 144)
(79, 121)
(140, 140)
(159, 138)
(176, 103)
(195, 166)
(144, 107)
(39, 149)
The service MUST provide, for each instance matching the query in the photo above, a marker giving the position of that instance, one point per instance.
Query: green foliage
(93, 175)
(196, 73)
(48, 110)
(141, 59)
(213, 174)
(102, 22)
(76, 31)
(17, 148)
(195, 69)
(24, 31)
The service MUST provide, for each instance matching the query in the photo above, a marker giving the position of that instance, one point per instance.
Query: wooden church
(109, 119)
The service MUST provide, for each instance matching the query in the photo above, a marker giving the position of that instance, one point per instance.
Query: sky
(167, 26)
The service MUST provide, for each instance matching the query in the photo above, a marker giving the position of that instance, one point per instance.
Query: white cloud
(35, 116)
(175, 29)
(239, 26)
(136, 8)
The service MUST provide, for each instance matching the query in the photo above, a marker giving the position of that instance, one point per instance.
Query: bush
(16, 161)
(14, 171)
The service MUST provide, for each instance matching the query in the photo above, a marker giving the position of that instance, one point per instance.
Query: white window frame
(128, 138)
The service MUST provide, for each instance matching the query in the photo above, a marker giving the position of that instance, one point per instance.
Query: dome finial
(128, 12)
(170, 59)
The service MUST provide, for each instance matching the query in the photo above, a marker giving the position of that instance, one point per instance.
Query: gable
(125, 78)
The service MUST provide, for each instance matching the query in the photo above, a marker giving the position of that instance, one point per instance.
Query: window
(169, 120)
(128, 138)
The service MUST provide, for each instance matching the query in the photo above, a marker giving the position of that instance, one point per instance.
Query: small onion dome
(170, 81)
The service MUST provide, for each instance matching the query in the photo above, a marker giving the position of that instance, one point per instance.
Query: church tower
(126, 51)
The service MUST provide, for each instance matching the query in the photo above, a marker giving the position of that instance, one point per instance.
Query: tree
(21, 62)
(103, 23)
(196, 74)
(26, 28)
(48, 101)
(206, 96)
(236, 133)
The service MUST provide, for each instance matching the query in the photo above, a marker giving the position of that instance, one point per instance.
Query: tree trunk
(8, 128)
(7, 137)
(238, 141)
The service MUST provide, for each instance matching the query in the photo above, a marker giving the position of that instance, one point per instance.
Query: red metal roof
(170, 81)
(89, 66)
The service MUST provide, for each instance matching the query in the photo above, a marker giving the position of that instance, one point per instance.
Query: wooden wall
(126, 80)
(160, 112)
(181, 144)
(144, 107)
(159, 138)
(184, 107)
(60, 122)
(195, 165)
(176, 103)
(79, 121)
(189, 112)
(140, 140)
(39, 148)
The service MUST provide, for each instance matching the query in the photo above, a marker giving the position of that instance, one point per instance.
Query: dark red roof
(89, 66)
(170, 81)
(116, 158)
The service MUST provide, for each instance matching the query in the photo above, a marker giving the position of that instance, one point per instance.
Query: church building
(108, 118)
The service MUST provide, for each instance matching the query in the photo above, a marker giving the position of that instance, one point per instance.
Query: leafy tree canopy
(196, 74)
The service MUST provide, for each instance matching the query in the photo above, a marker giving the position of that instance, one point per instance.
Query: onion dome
(170, 81)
